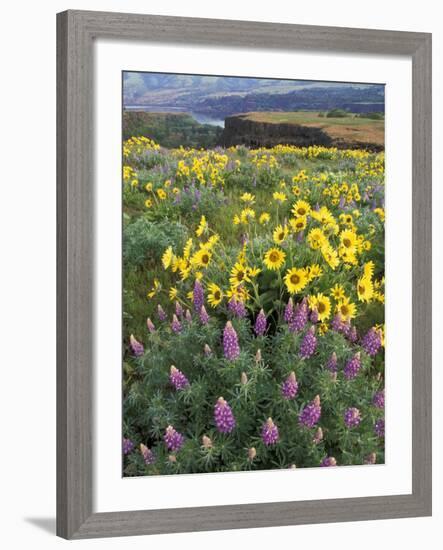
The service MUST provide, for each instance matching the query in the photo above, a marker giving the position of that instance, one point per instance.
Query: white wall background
(27, 403)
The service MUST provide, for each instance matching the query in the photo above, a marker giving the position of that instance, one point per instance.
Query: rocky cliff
(244, 130)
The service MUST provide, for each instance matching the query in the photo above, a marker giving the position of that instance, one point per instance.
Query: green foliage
(337, 113)
(145, 241)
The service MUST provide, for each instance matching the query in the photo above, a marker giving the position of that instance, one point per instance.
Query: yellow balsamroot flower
(296, 190)
(161, 194)
(314, 271)
(253, 272)
(148, 186)
(280, 233)
(236, 220)
(167, 184)
(201, 258)
(346, 309)
(239, 274)
(296, 279)
(380, 213)
(274, 259)
(279, 197)
(239, 293)
(298, 224)
(264, 218)
(178, 264)
(301, 208)
(249, 198)
(316, 238)
(168, 257)
(330, 255)
(322, 304)
(148, 203)
(155, 289)
(323, 328)
(173, 292)
(379, 296)
(185, 272)
(175, 190)
(365, 289)
(337, 292)
(368, 269)
(347, 255)
(215, 295)
(187, 249)
(213, 240)
(202, 226)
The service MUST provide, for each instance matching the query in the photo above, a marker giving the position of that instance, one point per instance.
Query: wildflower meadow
(253, 308)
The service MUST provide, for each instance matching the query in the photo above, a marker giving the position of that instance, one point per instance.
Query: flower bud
(244, 378)
(252, 453)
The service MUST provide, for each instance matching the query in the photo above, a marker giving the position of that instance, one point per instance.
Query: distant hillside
(170, 129)
(266, 129)
(224, 96)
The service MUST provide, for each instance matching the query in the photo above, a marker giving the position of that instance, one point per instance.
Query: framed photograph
(244, 274)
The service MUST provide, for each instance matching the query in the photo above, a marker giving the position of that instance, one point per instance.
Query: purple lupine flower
(342, 202)
(231, 348)
(328, 461)
(300, 317)
(223, 417)
(188, 316)
(351, 334)
(204, 317)
(313, 317)
(178, 309)
(318, 436)
(207, 350)
(309, 344)
(150, 325)
(147, 454)
(300, 236)
(310, 415)
(379, 427)
(378, 399)
(289, 387)
(177, 378)
(237, 308)
(173, 439)
(371, 341)
(161, 313)
(337, 323)
(260, 323)
(289, 311)
(136, 346)
(352, 367)
(198, 296)
(176, 325)
(269, 433)
(352, 417)
(128, 446)
(331, 365)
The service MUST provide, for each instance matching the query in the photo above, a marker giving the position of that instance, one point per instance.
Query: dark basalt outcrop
(251, 133)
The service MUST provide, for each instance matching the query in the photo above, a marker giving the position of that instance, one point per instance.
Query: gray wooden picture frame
(76, 32)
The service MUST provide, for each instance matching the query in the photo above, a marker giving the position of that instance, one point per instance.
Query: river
(202, 118)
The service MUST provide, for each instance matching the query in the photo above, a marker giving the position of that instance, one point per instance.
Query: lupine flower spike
(128, 446)
(260, 324)
(290, 387)
(174, 440)
(352, 417)
(177, 378)
(136, 346)
(176, 325)
(328, 461)
(310, 415)
(147, 454)
(352, 367)
(231, 348)
(269, 433)
(150, 325)
(309, 344)
(161, 313)
(223, 417)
